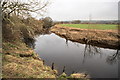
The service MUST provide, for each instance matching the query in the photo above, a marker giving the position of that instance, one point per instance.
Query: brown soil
(100, 38)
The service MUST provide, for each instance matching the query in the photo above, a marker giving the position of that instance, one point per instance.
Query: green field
(93, 26)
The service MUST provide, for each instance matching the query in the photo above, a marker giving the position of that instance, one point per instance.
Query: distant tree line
(68, 22)
(88, 22)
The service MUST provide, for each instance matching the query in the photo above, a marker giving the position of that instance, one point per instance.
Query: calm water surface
(76, 57)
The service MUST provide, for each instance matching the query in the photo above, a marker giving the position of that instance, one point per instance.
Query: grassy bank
(92, 26)
(20, 61)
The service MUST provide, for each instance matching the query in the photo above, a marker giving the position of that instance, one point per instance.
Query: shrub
(47, 22)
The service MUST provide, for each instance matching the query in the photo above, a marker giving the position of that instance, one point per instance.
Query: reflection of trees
(30, 42)
(90, 51)
(66, 41)
(113, 58)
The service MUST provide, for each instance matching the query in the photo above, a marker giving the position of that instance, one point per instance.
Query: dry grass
(20, 61)
(100, 38)
(15, 66)
(17, 28)
(26, 68)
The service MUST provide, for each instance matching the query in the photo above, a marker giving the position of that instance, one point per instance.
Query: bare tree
(23, 8)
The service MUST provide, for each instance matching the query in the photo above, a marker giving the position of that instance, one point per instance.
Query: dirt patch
(100, 38)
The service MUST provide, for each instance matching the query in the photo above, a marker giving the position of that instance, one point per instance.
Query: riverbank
(100, 38)
(19, 60)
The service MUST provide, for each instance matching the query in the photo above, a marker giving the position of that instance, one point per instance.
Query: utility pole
(90, 18)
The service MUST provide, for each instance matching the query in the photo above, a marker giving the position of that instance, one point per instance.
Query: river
(77, 57)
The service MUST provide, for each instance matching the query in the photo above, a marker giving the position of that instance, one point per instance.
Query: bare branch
(17, 6)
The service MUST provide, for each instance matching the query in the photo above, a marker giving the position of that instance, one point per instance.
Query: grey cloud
(78, 9)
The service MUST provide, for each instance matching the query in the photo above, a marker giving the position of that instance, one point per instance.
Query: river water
(76, 57)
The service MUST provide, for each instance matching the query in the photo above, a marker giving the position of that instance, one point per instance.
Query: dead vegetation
(29, 65)
(101, 38)
(22, 62)
(18, 29)
(19, 61)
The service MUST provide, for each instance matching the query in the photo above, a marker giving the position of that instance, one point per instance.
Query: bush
(47, 22)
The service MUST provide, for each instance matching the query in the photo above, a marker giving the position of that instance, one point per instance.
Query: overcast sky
(81, 9)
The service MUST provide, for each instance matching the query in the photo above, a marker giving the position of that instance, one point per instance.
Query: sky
(60, 10)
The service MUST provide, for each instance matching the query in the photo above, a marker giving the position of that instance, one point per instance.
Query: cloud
(81, 9)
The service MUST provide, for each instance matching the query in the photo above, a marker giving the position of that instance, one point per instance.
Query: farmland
(92, 26)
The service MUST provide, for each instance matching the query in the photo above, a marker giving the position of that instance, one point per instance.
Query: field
(93, 26)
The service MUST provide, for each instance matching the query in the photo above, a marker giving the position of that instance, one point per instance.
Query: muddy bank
(100, 38)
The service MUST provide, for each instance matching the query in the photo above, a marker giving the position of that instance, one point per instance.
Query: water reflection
(66, 41)
(69, 56)
(112, 59)
(30, 42)
(90, 51)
